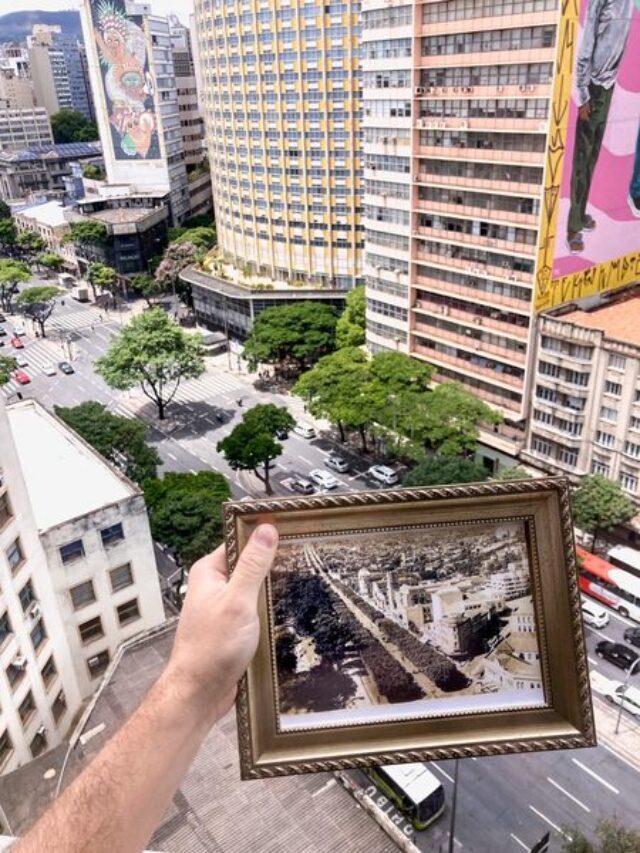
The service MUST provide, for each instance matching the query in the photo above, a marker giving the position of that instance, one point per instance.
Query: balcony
(453, 91)
(474, 294)
(487, 184)
(476, 267)
(497, 22)
(467, 368)
(478, 321)
(472, 345)
(490, 155)
(510, 247)
(516, 124)
(508, 217)
(487, 57)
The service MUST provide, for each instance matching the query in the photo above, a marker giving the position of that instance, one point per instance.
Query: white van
(593, 614)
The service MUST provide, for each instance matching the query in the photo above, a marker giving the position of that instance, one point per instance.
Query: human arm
(117, 802)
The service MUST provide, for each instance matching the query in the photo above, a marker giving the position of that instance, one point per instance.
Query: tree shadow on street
(188, 420)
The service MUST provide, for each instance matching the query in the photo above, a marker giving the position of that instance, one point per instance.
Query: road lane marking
(592, 661)
(620, 618)
(546, 820)
(192, 471)
(459, 843)
(604, 637)
(444, 772)
(620, 757)
(567, 794)
(521, 843)
(595, 776)
(327, 785)
(171, 456)
(304, 459)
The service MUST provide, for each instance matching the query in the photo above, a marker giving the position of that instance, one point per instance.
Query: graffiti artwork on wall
(590, 235)
(127, 81)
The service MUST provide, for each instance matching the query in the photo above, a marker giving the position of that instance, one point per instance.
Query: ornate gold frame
(566, 721)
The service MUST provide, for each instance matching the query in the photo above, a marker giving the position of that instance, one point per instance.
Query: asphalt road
(504, 804)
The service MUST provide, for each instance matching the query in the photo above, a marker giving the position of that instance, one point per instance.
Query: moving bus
(623, 557)
(609, 584)
(413, 789)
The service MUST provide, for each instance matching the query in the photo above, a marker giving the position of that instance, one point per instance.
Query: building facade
(282, 119)
(48, 67)
(456, 100)
(24, 127)
(585, 407)
(16, 91)
(40, 171)
(78, 577)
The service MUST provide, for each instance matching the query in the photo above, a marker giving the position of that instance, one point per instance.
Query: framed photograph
(414, 625)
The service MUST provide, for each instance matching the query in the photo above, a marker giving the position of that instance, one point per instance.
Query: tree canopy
(101, 277)
(38, 303)
(88, 232)
(147, 286)
(291, 337)
(8, 234)
(154, 353)
(443, 470)
(50, 261)
(177, 256)
(516, 473)
(203, 238)
(93, 172)
(252, 445)
(599, 505)
(12, 273)
(5, 210)
(123, 441)
(610, 837)
(350, 329)
(69, 125)
(7, 366)
(185, 511)
(30, 243)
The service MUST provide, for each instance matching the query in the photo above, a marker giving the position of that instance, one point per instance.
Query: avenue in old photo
(404, 623)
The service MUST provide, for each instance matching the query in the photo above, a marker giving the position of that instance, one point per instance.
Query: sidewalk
(625, 744)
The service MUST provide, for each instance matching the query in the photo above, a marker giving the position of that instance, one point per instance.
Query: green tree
(443, 470)
(291, 337)
(202, 238)
(8, 234)
(185, 512)
(155, 353)
(252, 445)
(69, 125)
(148, 287)
(102, 277)
(7, 366)
(177, 256)
(123, 441)
(5, 210)
(599, 504)
(50, 261)
(611, 837)
(93, 172)
(87, 232)
(350, 329)
(39, 303)
(30, 243)
(201, 220)
(516, 473)
(12, 273)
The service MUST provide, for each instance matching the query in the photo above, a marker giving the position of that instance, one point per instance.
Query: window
(38, 634)
(111, 535)
(634, 422)
(629, 481)
(605, 439)
(6, 747)
(5, 509)
(128, 612)
(82, 594)
(543, 448)
(98, 663)
(600, 467)
(617, 362)
(72, 551)
(59, 706)
(568, 457)
(632, 449)
(121, 577)
(49, 671)
(614, 388)
(5, 627)
(15, 557)
(91, 630)
(609, 414)
(27, 596)
(27, 708)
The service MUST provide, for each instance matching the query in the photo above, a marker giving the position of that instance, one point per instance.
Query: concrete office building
(282, 118)
(585, 408)
(456, 100)
(16, 86)
(39, 171)
(24, 127)
(78, 577)
(58, 68)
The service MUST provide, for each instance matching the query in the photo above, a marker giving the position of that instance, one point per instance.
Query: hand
(584, 112)
(218, 630)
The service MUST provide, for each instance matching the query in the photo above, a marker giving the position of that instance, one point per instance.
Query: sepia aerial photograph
(404, 623)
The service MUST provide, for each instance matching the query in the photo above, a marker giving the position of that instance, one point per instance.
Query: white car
(48, 370)
(593, 614)
(19, 329)
(338, 463)
(304, 431)
(629, 698)
(383, 474)
(22, 360)
(323, 479)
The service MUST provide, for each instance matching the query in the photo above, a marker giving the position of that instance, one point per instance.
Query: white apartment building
(585, 406)
(21, 128)
(78, 576)
(49, 220)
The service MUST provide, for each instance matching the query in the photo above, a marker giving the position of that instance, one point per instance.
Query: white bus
(623, 557)
(413, 789)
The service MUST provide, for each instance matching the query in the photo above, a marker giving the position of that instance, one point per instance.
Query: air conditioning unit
(19, 662)
(94, 660)
(41, 731)
(419, 90)
(34, 610)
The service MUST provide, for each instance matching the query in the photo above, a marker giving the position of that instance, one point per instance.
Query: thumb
(255, 561)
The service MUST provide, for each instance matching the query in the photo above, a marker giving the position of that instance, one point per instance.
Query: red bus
(612, 586)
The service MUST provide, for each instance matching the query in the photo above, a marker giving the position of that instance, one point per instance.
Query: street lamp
(624, 690)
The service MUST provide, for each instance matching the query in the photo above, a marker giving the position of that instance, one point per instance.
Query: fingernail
(266, 535)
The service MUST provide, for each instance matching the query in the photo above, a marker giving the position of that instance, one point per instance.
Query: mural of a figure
(128, 83)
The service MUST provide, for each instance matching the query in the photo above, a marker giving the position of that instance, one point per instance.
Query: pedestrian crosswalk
(37, 354)
(218, 387)
(80, 319)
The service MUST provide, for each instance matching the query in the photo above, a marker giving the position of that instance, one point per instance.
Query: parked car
(17, 342)
(323, 479)
(302, 485)
(22, 360)
(48, 370)
(281, 434)
(383, 474)
(3, 331)
(632, 635)
(65, 367)
(617, 654)
(629, 698)
(3, 319)
(338, 463)
(21, 377)
(19, 329)
(304, 431)
(593, 614)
